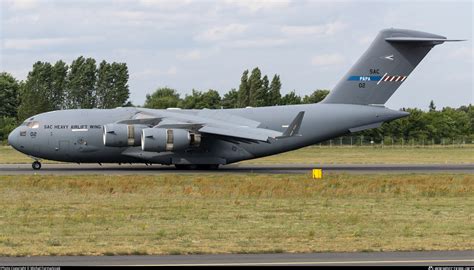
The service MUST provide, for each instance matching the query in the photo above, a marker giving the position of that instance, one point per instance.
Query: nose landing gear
(36, 165)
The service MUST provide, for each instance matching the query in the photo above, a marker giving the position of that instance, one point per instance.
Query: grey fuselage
(77, 135)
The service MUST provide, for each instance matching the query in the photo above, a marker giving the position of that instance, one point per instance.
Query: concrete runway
(71, 169)
(427, 258)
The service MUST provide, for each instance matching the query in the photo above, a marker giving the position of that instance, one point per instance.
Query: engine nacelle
(122, 135)
(165, 140)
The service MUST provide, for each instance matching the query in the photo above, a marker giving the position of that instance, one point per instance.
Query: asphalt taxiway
(428, 258)
(72, 168)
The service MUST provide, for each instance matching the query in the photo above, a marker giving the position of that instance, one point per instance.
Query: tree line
(58, 86)
(84, 84)
(254, 91)
(428, 127)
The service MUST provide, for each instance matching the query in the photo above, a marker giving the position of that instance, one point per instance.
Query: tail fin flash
(387, 63)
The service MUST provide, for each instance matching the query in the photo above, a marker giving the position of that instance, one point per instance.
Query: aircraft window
(34, 124)
(25, 124)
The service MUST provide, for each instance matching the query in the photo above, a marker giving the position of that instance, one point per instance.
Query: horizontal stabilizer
(420, 39)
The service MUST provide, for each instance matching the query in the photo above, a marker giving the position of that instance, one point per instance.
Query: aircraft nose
(13, 138)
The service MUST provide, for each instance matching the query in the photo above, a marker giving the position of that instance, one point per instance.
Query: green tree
(35, 94)
(244, 91)
(58, 85)
(255, 86)
(210, 99)
(112, 88)
(316, 96)
(230, 99)
(105, 82)
(7, 124)
(9, 95)
(274, 95)
(432, 106)
(290, 99)
(162, 98)
(81, 88)
(191, 101)
(261, 97)
(461, 123)
(199, 100)
(120, 91)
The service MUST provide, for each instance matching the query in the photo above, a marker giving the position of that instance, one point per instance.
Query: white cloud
(365, 40)
(160, 38)
(165, 4)
(462, 53)
(22, 4)
(190, 55)
(256, 43)
(25, 19)
(222, 32)
(327, 59)
(254, 6)
(32, 43)
(318, 30)
(172, 71)
(150, 72)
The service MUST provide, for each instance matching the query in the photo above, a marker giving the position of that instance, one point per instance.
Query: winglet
(294, 127)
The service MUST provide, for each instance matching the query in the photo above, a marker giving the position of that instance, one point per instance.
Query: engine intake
(165, 140)
(122, 135)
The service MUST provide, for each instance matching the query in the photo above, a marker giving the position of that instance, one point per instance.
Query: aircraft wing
(216, 122)
(258, 134)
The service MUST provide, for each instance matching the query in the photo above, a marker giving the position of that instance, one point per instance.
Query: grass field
(335, 155)
(209, 213)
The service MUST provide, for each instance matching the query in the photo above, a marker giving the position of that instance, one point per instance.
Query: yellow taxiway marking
(307, 263)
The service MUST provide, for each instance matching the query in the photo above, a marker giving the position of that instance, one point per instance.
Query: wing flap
(258, 134)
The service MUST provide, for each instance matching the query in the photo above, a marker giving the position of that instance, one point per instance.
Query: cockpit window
(33, 124)
(24, 124)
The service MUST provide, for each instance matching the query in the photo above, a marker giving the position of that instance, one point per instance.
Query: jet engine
(122, 135)
(163, 140)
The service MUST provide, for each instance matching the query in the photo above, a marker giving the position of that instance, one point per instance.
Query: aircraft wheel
(213, 166)
(186, 166)
(180, 166)
(208, 167)
(36, 165)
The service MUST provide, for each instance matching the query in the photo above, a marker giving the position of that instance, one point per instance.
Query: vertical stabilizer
(387, 63)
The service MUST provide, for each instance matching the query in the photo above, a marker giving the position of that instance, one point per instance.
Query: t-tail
(388, 62)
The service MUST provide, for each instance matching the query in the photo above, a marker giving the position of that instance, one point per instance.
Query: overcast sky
(207, 44)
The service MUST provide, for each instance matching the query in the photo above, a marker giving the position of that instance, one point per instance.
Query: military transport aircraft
(191, 139)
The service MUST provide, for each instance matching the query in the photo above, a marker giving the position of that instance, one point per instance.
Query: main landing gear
(36, 165)
(197, 167)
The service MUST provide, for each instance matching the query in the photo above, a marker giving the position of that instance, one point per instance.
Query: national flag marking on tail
(378, 79)
(392, 78)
